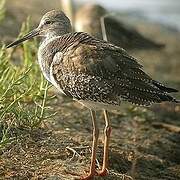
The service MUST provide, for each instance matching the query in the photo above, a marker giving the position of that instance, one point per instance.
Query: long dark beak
(30, 35)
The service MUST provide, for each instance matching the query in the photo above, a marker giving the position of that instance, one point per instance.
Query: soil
(145, 143)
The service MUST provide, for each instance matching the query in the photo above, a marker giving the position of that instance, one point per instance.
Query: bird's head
(53, 23)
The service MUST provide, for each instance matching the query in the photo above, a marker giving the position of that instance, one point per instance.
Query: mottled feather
(95, 70)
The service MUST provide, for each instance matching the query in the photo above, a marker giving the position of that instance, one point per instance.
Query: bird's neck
(56, 33)
(46, 53)
(49, 36)
(47, 50)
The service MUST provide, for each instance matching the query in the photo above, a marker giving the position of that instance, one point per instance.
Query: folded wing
(96, 70)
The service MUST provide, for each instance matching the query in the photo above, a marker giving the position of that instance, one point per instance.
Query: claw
(88, 177)
(103, 173)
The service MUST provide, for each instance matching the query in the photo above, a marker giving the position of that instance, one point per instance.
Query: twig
(103, 28)
(44, 100)
(123, 176)
(75, 153)
(166, 126)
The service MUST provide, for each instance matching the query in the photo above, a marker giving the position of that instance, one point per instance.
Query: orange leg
(107, 133)
(92, 171)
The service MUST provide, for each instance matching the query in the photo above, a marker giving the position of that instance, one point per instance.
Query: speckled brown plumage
(94, 70)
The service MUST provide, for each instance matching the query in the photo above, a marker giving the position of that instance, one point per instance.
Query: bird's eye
(47, 22)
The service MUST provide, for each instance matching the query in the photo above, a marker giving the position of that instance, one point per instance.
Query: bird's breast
(45, 58)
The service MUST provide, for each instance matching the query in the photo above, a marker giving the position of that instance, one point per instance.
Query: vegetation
(2, 9)
(23, 90)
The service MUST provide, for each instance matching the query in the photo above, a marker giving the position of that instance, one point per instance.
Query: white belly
(98, 105)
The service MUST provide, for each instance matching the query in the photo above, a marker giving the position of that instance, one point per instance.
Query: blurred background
(165, 12)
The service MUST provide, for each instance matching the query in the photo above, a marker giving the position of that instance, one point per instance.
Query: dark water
(166, 12)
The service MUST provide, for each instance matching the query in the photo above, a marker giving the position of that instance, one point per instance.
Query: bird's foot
(103, 172)
(89, 176)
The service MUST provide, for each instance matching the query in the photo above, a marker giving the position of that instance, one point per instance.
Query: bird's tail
(142, 93)
(164, 88)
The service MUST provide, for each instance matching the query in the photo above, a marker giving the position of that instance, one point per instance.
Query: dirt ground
(145, 143)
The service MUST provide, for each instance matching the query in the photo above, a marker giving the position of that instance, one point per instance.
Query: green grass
(23, 90)
(2, 9)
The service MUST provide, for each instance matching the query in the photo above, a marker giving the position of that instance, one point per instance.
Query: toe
(103, 172)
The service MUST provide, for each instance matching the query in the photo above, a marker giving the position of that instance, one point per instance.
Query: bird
(93, 72)
(91, 17)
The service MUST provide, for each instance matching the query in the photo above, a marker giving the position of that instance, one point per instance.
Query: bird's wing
(99, 68)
